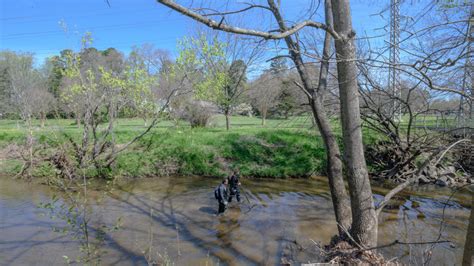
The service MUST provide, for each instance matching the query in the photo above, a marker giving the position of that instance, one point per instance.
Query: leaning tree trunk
(333, 154)
(339, 195)
(364, 219)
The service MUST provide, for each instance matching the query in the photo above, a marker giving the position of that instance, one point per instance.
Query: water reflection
(228, 226)
(180, 213)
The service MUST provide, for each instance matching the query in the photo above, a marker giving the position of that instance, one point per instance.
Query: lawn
(282, 148)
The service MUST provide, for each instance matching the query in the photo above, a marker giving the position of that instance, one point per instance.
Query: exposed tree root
(340, 251)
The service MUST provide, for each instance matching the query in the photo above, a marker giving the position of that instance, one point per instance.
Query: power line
(59, 18)
(49, 17)
(55, 32)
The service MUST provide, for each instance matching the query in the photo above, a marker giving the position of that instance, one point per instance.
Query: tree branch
(217, 13)
(397, 242)
(237, 30)
(303, 89)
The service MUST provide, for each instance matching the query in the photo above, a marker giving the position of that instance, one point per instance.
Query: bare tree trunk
(43, 118)
(264, 116)
(227, 119)
(333, 154)
(364, 219)
(78, 120)
(339, 195)
(468, 256)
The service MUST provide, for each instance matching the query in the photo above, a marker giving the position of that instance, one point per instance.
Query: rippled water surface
(173, 219)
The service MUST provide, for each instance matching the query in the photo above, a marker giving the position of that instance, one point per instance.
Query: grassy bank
(282, 148)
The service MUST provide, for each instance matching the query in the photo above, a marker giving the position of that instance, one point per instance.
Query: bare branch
(237, 30)
(303, 89)
(251, 6)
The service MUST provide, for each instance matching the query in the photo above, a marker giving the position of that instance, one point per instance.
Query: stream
(173, 220)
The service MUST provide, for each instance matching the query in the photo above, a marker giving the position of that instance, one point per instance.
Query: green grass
(281, 148)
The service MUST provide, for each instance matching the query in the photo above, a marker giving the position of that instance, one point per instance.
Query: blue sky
(46, 27)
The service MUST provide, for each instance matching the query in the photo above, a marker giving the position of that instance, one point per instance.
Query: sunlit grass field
(281, 148)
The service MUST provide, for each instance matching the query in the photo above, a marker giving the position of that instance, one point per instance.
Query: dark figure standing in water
(221, 194)
(234, 184)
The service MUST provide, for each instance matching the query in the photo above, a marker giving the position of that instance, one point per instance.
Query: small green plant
(75, 213)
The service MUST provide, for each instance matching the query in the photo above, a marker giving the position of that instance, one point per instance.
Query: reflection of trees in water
(238, 236)
(433, 224)
(167, 216)
(34, 235)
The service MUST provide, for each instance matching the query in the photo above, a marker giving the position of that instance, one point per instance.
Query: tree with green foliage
(287, 101)
(223, 68)
(57, 64)
(155, 62)
(101, 90)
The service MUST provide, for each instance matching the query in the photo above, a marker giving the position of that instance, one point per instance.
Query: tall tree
(263, 93)
(364, 220)
(222, 68)
(156, 63)
(57, 65)
(27, 92)
(233, 88)
(278, 66)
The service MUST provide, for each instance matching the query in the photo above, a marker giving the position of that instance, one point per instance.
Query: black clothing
(222, 198)
(222, 207)
(234, 187)
(223, 193)
(233, 181)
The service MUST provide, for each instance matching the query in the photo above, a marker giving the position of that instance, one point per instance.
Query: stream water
(173, 219)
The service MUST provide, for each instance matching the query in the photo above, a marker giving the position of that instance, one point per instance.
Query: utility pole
(394, 58)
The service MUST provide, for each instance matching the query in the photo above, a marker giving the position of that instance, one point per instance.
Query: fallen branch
(397, 242)
(412, 180)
